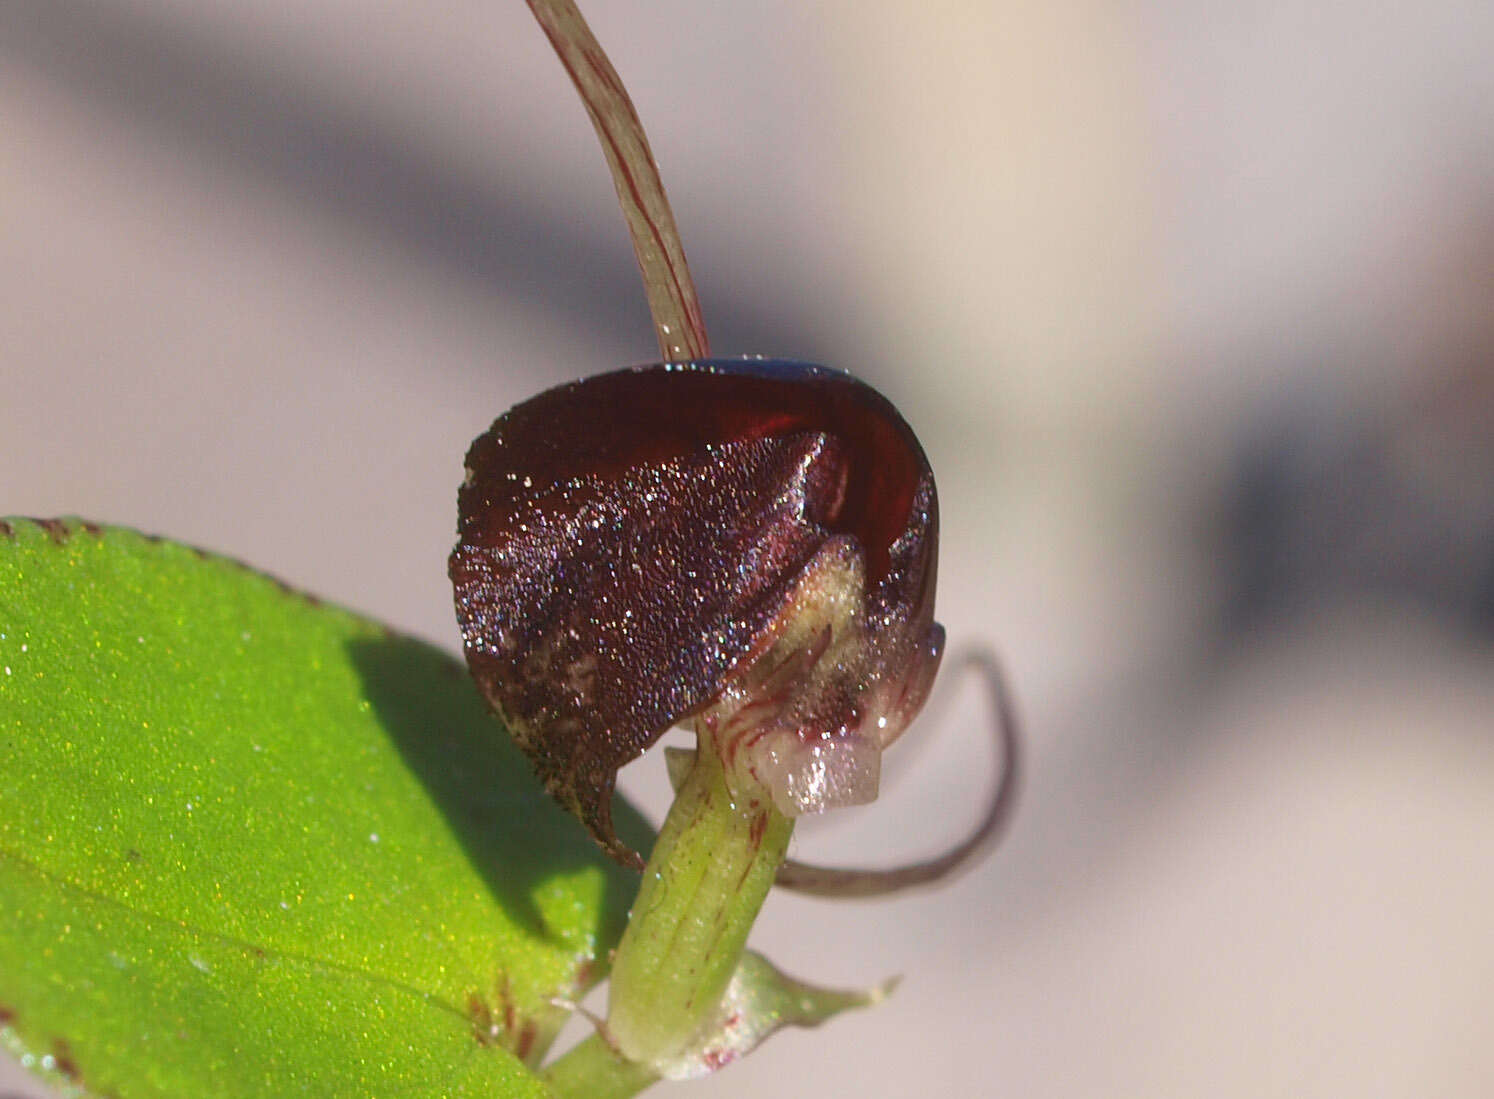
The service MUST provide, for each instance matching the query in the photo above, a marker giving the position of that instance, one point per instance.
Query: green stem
(709, 873)
(593, 1070)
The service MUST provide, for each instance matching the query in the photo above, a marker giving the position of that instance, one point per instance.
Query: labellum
(747, 543)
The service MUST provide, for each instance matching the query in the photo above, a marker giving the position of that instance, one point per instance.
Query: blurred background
(1192, 305)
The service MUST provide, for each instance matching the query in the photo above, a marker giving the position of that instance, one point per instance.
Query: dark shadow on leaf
(511, 830)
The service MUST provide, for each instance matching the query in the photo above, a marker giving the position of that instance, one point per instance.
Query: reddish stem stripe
(678, 321)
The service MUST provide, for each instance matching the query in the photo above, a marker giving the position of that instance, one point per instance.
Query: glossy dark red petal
(625, 542)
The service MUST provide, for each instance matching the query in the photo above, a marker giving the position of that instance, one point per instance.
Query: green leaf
(252, 845)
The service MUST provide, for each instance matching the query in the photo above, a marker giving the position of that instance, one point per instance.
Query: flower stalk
(705, 882)
(594, 1070)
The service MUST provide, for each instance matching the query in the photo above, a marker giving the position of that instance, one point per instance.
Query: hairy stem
(656, 241)
(706, 879)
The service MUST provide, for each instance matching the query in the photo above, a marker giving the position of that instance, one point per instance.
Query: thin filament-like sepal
(825, 881)
(656, 241)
